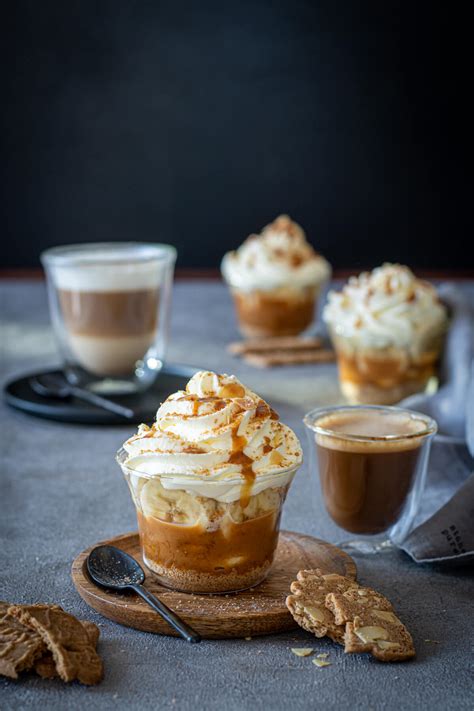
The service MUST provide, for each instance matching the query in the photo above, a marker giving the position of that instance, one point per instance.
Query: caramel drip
(238, 457)
(218, 403)
(264, 410)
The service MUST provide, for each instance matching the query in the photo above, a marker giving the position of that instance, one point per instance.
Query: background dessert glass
(198, 543)
(387, 327)
(384, 376)
(275, 279)
(370, 485)
(109, 305)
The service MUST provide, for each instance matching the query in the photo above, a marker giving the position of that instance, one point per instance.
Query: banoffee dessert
(387, 328)
(275, 278)
(209, 479)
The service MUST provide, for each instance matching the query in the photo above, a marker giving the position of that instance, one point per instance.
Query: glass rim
(82, 253)
(122, 453)
(311, 418)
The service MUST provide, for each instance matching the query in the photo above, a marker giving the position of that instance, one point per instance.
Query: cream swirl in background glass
(216, 439)
(386, 307)
(279, 256)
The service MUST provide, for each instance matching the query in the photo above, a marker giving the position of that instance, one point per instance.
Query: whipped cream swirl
(213, 438)
(279, 257)
(386, 307)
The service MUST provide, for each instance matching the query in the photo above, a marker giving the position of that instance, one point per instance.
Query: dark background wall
(196, 123)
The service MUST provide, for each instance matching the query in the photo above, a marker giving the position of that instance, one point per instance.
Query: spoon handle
(171, 618)
(102, 402)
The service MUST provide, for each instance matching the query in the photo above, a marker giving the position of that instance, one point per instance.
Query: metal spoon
(56, 386)
(112, 568)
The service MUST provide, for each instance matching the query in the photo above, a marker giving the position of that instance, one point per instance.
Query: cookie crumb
(302, 651)
(321, 663)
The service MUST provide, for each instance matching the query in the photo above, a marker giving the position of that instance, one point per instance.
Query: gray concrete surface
(61, 491)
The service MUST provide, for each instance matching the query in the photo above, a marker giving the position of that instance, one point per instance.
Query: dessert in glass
(275, 279)
(208, 480)
(387, 328)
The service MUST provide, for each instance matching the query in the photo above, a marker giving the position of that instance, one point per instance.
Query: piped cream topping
(216, 432)
(279, 256)
(386, 307)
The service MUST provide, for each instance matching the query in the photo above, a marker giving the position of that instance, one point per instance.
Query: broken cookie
(66, 638)
(344, 606)
(20, 646)
(360, 618)
(46, 667)
(307, 603)
(371, 625)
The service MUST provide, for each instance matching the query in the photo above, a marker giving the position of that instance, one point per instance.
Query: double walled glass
(370, 486)
(196, 540)
(109, 305)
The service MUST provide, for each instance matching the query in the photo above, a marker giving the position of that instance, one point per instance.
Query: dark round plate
(18, 394)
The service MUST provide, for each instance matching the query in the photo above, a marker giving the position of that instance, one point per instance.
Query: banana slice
(174, 505)
(264, 502)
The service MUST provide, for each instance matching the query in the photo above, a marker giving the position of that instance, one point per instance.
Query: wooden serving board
(258, 611)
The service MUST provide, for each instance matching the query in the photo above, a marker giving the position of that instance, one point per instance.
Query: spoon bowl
(49, 386)
(112, 568)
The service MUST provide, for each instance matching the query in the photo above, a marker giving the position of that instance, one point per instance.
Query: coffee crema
(367, 464)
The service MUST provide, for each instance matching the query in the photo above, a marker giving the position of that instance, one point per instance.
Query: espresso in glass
(109, 304)
(371, 462)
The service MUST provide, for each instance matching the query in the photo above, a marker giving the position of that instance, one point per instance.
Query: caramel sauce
(384, 373)
(232, 390)
(262, 410)
(218, 403)
(238, 457)
(262, 314)
(238, 547)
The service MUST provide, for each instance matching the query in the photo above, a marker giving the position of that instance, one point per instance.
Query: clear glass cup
(286, 311)
(110, 305)
(371, 486)
(385, 376)
(192, 540)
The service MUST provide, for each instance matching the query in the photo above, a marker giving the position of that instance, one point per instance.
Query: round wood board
(258, 611)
